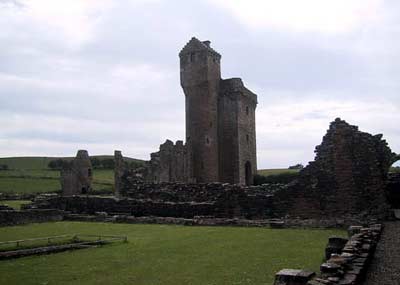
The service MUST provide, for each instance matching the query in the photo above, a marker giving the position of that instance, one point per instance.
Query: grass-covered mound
(165, 254)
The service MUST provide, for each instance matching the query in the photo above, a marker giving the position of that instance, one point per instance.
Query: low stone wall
(11, 218)
(229, 204)
(208, 221)
(14, 196)
(347, 263)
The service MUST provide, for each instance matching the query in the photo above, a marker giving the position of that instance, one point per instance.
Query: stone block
(293, 277)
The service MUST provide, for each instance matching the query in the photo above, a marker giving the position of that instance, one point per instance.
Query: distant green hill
(276, 171)
(41, 162)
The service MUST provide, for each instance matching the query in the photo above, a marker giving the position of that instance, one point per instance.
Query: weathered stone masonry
(347, 179)
(220, 125)
(76, 177)
(348, 176)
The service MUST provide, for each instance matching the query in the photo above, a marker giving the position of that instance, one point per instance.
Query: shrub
(58, 164)
(3, 167)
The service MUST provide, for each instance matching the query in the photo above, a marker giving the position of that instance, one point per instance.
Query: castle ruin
(220, 125)
(76, 176)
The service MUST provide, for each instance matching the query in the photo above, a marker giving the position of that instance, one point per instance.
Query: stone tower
(200, 79)
(220, 119)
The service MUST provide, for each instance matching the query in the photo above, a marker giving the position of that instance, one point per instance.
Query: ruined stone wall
(172, 200)
(348, 176)
(12, 218)
(169, 164)
(76, 178)
(347, 180)
(119, 168)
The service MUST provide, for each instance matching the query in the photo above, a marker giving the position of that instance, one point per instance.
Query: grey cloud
(79, 83)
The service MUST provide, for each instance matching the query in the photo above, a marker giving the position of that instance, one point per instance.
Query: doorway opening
(248, 173)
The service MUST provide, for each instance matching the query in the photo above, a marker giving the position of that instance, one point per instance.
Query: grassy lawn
(43, 180)
(165, 254)
(26, 162)
(276, 171)
(16, 204)
(30, 173)
(103, 176)
(28, 185)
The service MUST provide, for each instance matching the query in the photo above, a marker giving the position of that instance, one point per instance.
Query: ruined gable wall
(347, 177)
(76, 178)
(169, 164)
(69, 182)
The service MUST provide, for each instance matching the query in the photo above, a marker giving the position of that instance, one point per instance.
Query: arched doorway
(248, 173)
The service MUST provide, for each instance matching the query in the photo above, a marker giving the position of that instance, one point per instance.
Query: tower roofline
(196, 45)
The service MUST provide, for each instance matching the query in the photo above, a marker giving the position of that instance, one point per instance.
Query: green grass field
(16, 204)
(166, 254)
(41, 181)
(28, 185)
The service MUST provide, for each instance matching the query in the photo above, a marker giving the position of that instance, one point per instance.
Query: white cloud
(288, 131)
(328, 16)
(71, 21)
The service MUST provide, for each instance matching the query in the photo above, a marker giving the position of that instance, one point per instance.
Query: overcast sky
(103, 75)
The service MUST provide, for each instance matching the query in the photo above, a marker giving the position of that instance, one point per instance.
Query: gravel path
(385, 267)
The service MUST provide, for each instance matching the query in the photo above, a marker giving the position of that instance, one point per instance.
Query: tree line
(97, 163)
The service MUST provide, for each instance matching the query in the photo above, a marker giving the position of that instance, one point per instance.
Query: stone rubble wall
(169, 164)
(230, 204)
(12, 217)
(348, 176)
(347, 261)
